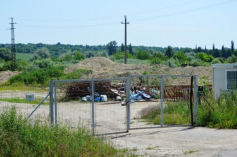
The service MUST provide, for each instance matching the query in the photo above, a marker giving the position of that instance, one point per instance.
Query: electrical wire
(106, 24)
(183, 12)
(119, 16)
(139, 20)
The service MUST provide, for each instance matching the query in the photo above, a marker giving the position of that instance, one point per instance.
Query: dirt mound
(5, 75)
(102, 67)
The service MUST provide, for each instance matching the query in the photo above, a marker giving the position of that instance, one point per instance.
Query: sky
(178, 23)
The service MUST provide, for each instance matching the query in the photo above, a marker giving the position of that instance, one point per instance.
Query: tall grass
(20, 138)
(214, 113)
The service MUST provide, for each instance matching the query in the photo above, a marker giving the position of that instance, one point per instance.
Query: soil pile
(5, 75)
(102, 67)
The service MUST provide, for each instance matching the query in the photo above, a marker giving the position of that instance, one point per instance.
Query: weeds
(190, 152)
(223, 114)
(153, 148)
(20, 138)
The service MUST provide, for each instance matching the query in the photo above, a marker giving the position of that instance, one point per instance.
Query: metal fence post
(161, 101)
(92, 108)
(55, 101)
(128, 85)
(195, 101)
(51, 103)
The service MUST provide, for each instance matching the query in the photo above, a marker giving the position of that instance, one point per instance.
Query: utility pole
(13, 49)
(125, 45)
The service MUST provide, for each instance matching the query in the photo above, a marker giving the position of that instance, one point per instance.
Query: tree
(41, 53)
(199, 49)
(232, 46)
(223, 52)
(111, 47)
(204, 57)
(180, 56)
(122, 47)
(217, 53)
(5, 54)
(130, 49)
(213, 48)
(78, 56)
(169, 51)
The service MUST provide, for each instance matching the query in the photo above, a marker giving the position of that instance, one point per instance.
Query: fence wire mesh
(146, 94)
(94, 104)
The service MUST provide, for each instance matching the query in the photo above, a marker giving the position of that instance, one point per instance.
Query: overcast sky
(179, 23)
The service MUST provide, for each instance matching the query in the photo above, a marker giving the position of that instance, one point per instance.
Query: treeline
(112, 47)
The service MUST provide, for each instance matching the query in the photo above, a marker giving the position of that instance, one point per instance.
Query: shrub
(204, 57)
(216, 61)
(156, 60)
(38, 76)
(42, 53)
(181, 57)
(172, 63)
(143, 55)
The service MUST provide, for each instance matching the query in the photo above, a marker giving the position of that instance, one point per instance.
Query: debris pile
(78, 90)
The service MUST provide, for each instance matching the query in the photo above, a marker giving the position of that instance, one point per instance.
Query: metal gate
(161, 89)
(122, 111)
(79, 103)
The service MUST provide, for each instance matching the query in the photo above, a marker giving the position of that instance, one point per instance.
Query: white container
(30, 97)
(104, 98)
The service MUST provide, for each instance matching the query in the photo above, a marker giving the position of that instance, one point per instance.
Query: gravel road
(166, 141)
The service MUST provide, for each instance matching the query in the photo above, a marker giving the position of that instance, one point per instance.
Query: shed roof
(230, 65)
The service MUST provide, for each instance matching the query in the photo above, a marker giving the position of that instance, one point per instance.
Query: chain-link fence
(93, 103)
(153, 94)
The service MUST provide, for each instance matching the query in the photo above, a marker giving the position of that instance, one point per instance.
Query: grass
(18, 100)
(153, 148)
(223, 114)
(21, 87)
(190, 152)
(23, 56)
(19, 138)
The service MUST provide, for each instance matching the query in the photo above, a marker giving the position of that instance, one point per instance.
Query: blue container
(97, 99)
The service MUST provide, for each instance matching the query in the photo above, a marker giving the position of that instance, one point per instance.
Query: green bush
(76, 74)
(204, 57)
(39, 76)
(181, 57)
(143, 55)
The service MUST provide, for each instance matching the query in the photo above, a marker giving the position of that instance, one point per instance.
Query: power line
(186, 11)
(106, 24)
(118, 16)
(175, 5)
(139, 20)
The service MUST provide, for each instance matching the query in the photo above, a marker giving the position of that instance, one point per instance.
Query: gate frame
(162, 95)
(53, 99)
